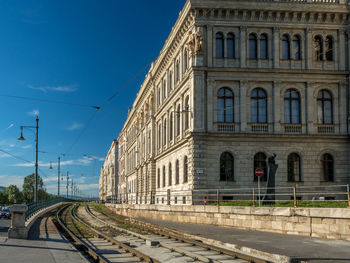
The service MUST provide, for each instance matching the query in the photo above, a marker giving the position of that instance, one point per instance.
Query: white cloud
(74, 126)
(45, 89)
(7, 180)
(10, 126)
(88, 186)
(85, 161)
(33, 113)
(26, 146)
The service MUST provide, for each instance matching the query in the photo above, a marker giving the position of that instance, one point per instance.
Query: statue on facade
(269, 197)
(195, 41)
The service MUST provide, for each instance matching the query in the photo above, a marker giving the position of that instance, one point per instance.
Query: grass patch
(315, 204)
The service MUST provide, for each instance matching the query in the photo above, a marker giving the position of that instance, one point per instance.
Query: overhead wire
(50, 101)
(107, 101)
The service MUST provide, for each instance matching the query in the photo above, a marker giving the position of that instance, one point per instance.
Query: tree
(13, 194)
(3, 198)
(28, 188)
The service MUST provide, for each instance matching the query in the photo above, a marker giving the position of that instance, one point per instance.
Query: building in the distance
(110, 173)
(236, 81)
(102, 188)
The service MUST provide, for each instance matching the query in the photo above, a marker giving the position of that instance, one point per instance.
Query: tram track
(158, 236)
(95, 245)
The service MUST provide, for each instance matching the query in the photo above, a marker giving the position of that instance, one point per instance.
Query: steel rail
(165, 232)
(79, 243)
(183, 252)
(121, 245)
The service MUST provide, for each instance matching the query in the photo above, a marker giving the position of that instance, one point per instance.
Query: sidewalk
(300, 248)
(45, 245)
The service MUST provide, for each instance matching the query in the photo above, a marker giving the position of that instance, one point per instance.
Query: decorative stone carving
(195, 41)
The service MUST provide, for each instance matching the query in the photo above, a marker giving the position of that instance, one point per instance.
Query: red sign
(259, 172)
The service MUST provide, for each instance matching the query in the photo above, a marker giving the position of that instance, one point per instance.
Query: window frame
(290, 100)
(225, 99)
(226, 160)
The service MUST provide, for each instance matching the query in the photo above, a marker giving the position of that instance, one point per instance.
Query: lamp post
(21, 138)
(67, 183)
(58, 174)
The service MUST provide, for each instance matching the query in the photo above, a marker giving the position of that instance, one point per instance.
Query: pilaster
(243, 104)
(243, 46)
(276, 47)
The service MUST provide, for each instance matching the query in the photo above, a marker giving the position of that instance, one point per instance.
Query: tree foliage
(14, 196)
(28, 188)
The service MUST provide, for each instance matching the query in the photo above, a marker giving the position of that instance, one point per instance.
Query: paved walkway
(296, 247)
(45, 245)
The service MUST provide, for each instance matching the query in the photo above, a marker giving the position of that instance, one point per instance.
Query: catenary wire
(50, 101)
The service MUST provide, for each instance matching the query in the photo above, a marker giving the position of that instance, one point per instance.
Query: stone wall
(332, 223)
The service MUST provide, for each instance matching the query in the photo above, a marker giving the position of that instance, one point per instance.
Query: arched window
(294, 168)
(219, 45)
(225, 105)
(328, 167)
(171, 126)
(258, 106)
(260, 162)
(185, 60)
(185, 169)
(292, 106)
(158, 178)
(177, 71)
(329, 48)
(226, 167)
(285, 47)
(253, 46)
(158, 95)
(324, 107)
(263, 47)
(177, 172)
(187, 113)
(170, 179)
(230, 45)
(164, 176)
(170, 80)
(164, 132)
(297, 47)
(164, 89)
(178, 120)
(159, 135)
(318, 48)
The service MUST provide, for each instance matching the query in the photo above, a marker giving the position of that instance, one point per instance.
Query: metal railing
(34, 207)
(292, 196)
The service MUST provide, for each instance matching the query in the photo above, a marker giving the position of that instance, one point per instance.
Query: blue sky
(79, 52)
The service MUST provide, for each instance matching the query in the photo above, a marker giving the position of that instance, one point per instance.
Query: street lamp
(21, 138)
(58, 174)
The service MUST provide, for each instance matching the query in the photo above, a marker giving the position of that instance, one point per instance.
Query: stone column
(243, 46)
(310, 108)
(18, 218)
(243, 106)
(211, 112)
(276, 47)
(341, 54)
(276, 104)
(210, 46)
(308, 48)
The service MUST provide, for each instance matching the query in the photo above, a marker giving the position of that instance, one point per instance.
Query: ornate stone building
(109, 175)
(236, 81)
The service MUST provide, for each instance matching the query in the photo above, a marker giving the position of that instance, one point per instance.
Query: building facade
(235, 82)
(109, 174)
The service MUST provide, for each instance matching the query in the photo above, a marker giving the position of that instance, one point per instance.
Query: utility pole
(67, 184)
(36, 159)
(71, 189)
(58, 177)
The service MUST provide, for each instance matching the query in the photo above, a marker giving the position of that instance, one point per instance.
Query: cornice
(326, 15)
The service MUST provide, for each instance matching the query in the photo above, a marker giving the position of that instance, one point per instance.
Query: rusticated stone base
(332, 223)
